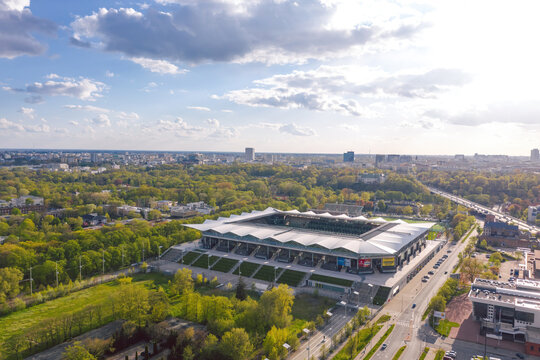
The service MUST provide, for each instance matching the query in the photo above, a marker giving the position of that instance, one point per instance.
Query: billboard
(439, 314)
(364, 263)
(388, 261)
(341, 261)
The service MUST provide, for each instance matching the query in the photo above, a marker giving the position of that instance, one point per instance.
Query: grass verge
(331, 280)
(248, 268)
(424, 353)
(357, 343)
(399, 352)
(439, 355)
(379, 343)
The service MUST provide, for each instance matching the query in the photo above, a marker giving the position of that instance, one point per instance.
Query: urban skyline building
(250, 154)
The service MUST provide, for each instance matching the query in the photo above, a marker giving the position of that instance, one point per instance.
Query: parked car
(413, 306)
(430, 272)
(383, 346)
(521, 356)
(424, 280)
(451, 353)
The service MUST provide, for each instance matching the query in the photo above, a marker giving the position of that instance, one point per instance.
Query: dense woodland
(518, 190)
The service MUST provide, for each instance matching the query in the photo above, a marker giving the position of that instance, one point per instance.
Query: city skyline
(285, 76)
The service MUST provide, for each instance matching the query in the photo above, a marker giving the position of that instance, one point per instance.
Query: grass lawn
(22, 320)
(189, 257)
(204, 260)
(224, 265)
(307, 306)
(399, 352)
(424, 353)
(267, 273)
(379, 343)
(291, 277)
(331, 280)
(248, 268)
(445, 326)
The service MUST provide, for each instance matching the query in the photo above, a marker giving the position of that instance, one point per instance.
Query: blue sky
(419, 77)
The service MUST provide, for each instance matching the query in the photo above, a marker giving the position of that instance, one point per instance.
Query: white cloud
(10, 125)
(127, 115)
(91, 108)
(102, 120)
(74, 123)
(29, 112)
(296, 130)
(201, 108)
(266, 31)
(109, 74)
(343, 88)
(178, 126)
(99, 110)
(158, 66)
(213, 122)
(81, 88)
(16, 26)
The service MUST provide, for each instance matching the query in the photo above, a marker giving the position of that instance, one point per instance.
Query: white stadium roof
(382, 240)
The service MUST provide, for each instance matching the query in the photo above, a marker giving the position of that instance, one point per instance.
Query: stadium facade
(333, 242)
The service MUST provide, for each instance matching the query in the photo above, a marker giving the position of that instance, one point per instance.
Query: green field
(331, 280)
(203, 261)
(291, 277)
(224, 265)
(248, 268)
(189, 257)
(267, 273)
(445, 326)
(20, 321)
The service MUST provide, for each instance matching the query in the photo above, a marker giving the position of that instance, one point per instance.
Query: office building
(535, 155)
(348, 156)
(508, 310)
(250, 154)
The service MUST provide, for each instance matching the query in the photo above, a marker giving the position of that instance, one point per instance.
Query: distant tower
(348, 156)
(93, 157)
(250, 154)
(535, 155)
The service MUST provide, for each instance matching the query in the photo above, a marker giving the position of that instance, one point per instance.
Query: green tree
(235, 344)
(275, 306)
(9, 283)
(77, 352)
(182, 282)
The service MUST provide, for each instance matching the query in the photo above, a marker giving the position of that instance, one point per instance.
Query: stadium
(331, 242)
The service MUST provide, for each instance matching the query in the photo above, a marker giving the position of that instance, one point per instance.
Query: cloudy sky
(411, 77)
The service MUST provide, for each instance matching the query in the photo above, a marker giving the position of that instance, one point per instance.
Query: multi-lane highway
(485, 210)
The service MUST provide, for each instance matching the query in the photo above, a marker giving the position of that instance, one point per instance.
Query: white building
(509, 310)
(191, 209)
(26, 200)
(532, 212)
(371, 178)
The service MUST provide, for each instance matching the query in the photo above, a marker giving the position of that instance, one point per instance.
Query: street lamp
(306, 331)
(370, 298)
(357, 294)
(240, 269)
(344, 304)
(159, 252)
(275, 270)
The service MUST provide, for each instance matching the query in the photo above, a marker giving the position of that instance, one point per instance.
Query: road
(335, 324)
(410, 330)
(485, 210)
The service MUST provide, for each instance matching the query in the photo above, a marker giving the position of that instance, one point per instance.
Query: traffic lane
(394, 341)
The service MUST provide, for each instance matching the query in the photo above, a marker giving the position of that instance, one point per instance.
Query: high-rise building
(535, 155)
(348, 156)
(250, 154)
(380, 158)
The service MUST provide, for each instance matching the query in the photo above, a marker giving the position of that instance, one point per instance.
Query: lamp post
(240, 270)
(159, 252)
(275, 271)
(358, 298)
(306, 331)
(370, 298)
(56, 273)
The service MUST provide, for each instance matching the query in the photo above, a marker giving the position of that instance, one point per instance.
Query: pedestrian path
(373, 341)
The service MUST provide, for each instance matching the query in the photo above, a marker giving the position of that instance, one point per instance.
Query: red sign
(364, 263)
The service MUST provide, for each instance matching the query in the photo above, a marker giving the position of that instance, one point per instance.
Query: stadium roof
(386, 239)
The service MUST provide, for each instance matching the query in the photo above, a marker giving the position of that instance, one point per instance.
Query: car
(446, 272)
(451, 353)
(521, 356)
(383, 346)
(413, 306)
(424, 280)
(511, 271)
(436, 266)
(449, 251)
(430, 272)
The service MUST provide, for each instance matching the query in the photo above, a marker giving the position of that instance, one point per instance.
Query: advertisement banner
(388, 261)
(348, 262)
(341, 261)
(364, 263)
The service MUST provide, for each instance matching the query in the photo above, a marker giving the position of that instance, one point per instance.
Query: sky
(327, 76)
